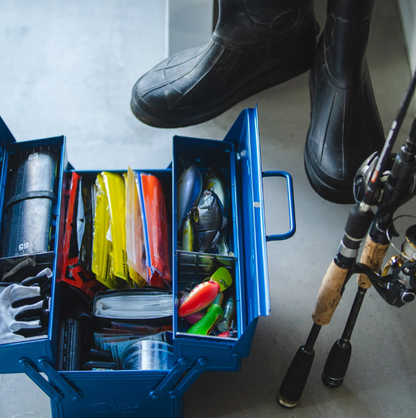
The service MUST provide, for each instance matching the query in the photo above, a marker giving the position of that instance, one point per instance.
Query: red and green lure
(199, 298)
(205, 293)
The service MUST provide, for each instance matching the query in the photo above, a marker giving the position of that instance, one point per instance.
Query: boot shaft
(248, 22)
(346, 36)
(351, 10)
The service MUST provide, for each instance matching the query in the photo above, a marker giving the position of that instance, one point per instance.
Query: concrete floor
(68, 68)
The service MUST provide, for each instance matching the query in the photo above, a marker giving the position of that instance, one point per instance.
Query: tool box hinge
(198, 368)
(65, 389)
(183, 365)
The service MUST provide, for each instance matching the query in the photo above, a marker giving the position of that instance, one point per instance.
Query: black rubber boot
(256, 45)
(345, 125)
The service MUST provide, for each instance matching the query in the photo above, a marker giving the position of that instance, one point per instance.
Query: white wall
(189, 23)
(408, 13)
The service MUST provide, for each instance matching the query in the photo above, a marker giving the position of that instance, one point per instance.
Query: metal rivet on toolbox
(203, 361)
(42, 363)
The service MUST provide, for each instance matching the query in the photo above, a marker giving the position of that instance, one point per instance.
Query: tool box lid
(250, 262)
(6, 137)
(12, 355)
(245, 135)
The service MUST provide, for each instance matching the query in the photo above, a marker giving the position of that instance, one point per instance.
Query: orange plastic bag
(155, 227)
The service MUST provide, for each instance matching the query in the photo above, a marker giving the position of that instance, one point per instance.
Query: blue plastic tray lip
(87, 375)
(53, 331)
(92, 172)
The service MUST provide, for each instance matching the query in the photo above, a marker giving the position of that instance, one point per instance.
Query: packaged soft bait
(116, 195)
(135, 242)
(101, 245)
(155, 228)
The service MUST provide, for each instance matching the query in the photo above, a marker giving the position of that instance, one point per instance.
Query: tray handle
(291, 205)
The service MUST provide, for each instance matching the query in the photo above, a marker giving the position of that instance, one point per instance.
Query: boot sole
(326, 191)
(182, 118)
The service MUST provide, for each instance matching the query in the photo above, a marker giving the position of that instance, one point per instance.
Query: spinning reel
(396, 283)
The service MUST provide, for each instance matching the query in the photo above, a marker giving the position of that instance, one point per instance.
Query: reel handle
(329, 294)
(373, 255)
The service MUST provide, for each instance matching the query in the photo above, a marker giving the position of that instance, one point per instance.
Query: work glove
(23, 308)
(15, 273)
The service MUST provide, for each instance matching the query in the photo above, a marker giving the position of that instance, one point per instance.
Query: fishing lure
(188, 234)
(189, 190)
(208, 221)
(192, 318)
(229, 315)
(199, 298)
(223, 277)
(208, 322)
(215, 181)
(228, 334)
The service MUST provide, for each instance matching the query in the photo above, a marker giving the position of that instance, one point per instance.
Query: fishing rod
(373, 186)
(398, 190)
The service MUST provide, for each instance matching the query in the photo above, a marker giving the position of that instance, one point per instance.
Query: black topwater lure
(215, 181)
(208, 221)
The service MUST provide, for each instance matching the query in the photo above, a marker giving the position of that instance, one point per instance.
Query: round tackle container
(148, 355)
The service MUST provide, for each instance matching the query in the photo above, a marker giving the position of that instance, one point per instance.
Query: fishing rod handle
(296, 377)
(329, 294)
(373, 255)
(336, 364)
(332, 285)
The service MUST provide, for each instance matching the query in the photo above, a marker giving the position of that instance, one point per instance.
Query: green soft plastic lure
(208, 322)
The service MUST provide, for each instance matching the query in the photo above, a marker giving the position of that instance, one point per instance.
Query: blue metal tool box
(157, 393)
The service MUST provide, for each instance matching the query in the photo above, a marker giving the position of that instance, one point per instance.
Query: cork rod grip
(373, 255)
(329, 294)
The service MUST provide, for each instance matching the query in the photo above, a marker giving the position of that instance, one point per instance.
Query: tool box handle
(291, 205)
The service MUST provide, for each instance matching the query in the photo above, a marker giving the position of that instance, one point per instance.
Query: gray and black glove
(24, 310)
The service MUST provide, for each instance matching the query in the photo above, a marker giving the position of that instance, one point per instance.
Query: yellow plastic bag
(116, 195)
(101, 245)
(135, 243)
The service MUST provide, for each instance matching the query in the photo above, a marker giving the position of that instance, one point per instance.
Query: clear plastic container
(148, 355)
